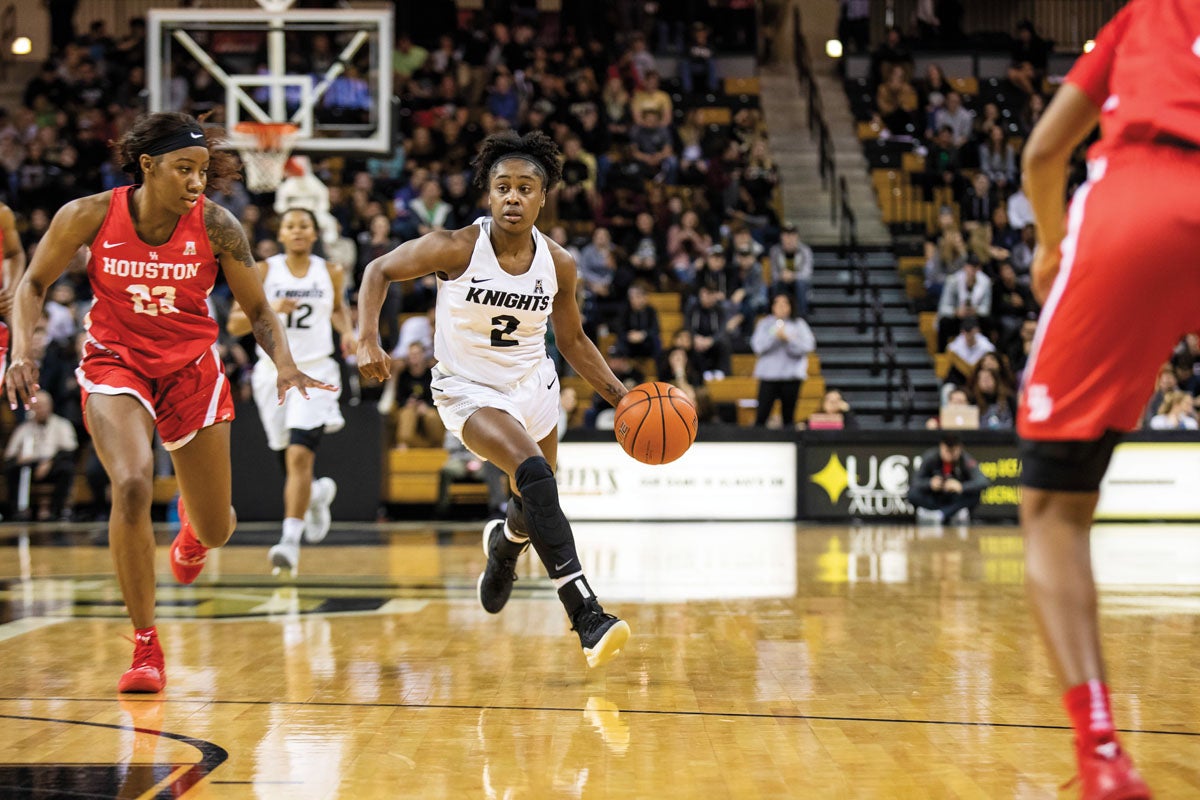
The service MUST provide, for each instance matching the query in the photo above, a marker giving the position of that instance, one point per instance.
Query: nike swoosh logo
(110, 245)
(479, 280)
(550, 385)
(197, 135)
(557, 567)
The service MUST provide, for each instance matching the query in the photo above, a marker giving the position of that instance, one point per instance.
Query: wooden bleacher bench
(664, 302)
(736, 86)
(413, 477)
(968, 85)
(929, 331)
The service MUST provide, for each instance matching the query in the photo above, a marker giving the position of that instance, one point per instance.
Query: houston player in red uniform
(150, 359)
(1119, 279)
(14, 267)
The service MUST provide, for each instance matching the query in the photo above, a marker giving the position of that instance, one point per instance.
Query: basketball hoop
(265, 164)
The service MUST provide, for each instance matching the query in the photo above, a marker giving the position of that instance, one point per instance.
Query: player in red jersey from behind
(1120, 285)
(14, 267)
(150, 360)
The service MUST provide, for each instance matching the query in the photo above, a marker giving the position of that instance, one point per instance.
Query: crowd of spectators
(979, 252)
(655, 196)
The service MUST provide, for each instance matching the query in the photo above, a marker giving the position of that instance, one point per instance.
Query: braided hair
(534, 146)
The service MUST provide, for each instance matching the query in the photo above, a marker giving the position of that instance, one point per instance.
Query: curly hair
(534, 145)
(222, 165)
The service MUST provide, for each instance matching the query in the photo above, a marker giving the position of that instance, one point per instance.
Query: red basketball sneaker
(187, 554)
(1106, 773)
(147, 675)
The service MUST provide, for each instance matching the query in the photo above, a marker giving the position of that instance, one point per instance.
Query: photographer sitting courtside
(948, 484)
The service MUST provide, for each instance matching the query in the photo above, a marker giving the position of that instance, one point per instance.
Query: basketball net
(265, 164)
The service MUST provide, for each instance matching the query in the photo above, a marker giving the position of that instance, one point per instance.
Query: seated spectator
(945, 254)
(1021, 346)
(943, 157)
(713, 269)
(896, 103)
(705, 320)
(891, 53)
(968, 293)
(966, 349)
(647, 249)
(985, 122)
(1030, 54)
(418, 423)
(651, 97)
(993, 399)
(948, 485)
(933, 90)
(637, 325)
(959, 120)
(1022, 253)
(1186, 361)
(41, 452)
(1176, 413)
(568, 404)
(1032, 114)
(998, 159)
(698, 67)
(576, 194)
(1165, 385)
(792, 267)
(652, 147)
(1020, 212)
(782, 343)
(1011, 302)
(597, 270)
(1004, 236)
(834, 412)
(677, 369)
(463, 466)
(429, 210)
(979, 201)
(748, 297)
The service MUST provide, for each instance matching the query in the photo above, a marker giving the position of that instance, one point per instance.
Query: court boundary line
(564, 709)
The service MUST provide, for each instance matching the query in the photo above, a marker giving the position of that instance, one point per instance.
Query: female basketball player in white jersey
(307, 292)
(499, 280)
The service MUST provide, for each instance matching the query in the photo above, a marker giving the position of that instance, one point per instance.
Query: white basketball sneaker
(318, 518)
(285, 556)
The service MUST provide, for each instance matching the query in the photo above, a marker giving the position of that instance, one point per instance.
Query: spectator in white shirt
(41, 451)
(1020, 212)
(953, 116)
(965, 350)
(968, 293)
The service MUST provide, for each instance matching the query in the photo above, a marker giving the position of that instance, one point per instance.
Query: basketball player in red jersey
(1119, 280)
(14, 268)
(150, 361)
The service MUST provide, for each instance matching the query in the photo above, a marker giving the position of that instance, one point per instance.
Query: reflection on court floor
(768, 660)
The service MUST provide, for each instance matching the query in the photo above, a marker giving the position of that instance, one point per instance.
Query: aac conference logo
(883, 491)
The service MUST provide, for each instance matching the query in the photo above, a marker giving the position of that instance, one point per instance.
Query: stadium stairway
(857, 341)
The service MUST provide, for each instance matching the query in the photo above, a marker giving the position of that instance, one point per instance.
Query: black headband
(541, 171)
(191, 135)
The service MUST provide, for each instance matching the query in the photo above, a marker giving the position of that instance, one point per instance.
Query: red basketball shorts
(1127, 291)
(182, 403)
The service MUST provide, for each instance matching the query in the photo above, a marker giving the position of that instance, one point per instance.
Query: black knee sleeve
(1066, 466)
(549, 530)
(516, 516)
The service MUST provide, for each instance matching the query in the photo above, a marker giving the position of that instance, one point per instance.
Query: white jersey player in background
(307, 293)
(499, 282)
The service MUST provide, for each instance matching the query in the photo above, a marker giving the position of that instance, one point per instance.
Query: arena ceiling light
(1088, 45)
(22, 46)
(833, 48)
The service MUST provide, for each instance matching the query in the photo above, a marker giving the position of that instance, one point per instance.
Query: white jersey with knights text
(308, 326)
(490, 325)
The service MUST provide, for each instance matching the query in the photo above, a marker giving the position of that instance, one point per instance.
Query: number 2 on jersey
(152, 300)
(509, 324)
(298, 318)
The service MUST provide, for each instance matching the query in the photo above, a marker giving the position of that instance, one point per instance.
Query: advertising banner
(1152, 480)
(845, 480)
(712, 481)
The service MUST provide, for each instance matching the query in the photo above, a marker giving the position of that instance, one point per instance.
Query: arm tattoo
(264, 334)
(226, 234)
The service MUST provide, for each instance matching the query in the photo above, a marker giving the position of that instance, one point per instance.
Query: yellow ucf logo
(832, 478)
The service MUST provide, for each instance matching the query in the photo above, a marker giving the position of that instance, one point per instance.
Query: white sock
(513, 536)
(565, 579)
(292, 530)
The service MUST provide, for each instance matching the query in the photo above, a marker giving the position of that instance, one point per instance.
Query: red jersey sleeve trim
(1092, 72)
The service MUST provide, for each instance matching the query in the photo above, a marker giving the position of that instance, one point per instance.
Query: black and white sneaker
(496, 581)
(601, 635)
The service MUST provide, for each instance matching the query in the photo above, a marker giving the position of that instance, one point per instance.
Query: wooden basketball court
(768, 660)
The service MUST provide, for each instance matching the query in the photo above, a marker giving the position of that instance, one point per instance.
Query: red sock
(1091, 714)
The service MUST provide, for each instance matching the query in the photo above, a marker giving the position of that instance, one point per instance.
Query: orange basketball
(655, 423)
